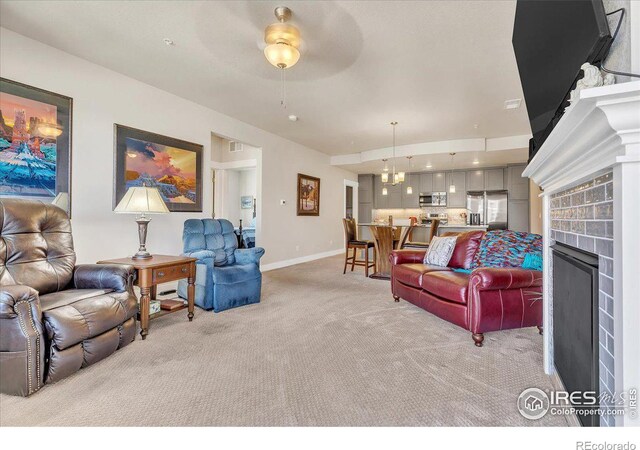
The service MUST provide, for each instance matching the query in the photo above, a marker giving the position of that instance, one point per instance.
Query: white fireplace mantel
(601, 132)
(600, 129)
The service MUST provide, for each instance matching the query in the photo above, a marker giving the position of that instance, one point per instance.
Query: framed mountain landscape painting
(171, 165)
(35, 142)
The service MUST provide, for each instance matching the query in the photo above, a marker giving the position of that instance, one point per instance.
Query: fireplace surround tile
(582, 217)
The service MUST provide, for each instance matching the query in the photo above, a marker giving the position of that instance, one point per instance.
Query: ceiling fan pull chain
(283, 93)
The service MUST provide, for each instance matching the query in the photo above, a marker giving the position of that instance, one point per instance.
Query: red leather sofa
(488, 299)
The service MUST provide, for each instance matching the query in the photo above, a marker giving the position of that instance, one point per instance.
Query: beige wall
(535, 208)
(102, 97)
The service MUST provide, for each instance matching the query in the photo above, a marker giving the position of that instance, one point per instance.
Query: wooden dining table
(386, 239)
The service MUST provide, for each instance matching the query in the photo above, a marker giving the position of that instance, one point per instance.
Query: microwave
(433, 199)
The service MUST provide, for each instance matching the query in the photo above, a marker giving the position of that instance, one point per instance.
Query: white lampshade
(384, 191)
(452, 189)
(62, 201)
(400, 177)
(142, 200)
(409, 190)
(384, 177)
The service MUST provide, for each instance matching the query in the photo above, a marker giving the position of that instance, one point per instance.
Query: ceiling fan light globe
(279, 32)
(282, 55)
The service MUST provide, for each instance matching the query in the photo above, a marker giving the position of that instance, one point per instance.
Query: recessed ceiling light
(293, 118)
(476, 162)
(168, 42)
(512, 104)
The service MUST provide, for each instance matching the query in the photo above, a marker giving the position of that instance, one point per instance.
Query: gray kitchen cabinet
(394, 196)
(411, 200)
(439, 182)
(493, 179)
(459, 198)
(365, 212)
(365, 188)
(517, 185)
(379, 201)
(475, 180)
(426, 182)
(518, 215)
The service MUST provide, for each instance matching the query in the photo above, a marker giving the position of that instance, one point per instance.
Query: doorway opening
(236, 186)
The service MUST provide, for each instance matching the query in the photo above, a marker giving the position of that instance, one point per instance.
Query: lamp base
(142, 255)
(142, 222)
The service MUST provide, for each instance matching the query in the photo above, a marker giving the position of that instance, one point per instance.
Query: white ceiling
(437, 67)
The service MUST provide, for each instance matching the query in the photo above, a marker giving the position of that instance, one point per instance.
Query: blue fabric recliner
(226, 276)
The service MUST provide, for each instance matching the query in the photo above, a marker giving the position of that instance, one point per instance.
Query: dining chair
(423, 245)
(353, 243)
(405, 235)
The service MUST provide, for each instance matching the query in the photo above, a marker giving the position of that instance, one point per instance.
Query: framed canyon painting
(35, 142)
(308, 195)
(171, 165)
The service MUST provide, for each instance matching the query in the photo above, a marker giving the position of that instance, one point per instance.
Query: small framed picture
(308, 195)
(246, 202)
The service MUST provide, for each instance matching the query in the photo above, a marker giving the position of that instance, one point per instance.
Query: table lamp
(142, 200)
(62, 201)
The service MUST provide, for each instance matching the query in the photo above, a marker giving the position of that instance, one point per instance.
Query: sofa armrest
(201, 255)
(12, 295)
(493, 278)
(118, 277)
(249, 255)
(22, 347)
(407, 256)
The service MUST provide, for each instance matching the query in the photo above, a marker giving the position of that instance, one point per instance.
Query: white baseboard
(302, 259)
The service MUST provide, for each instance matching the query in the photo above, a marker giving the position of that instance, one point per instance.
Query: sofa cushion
(440, 251)
(235, 274)
(505, 248)
(467, 245)
(411, 274)
(452, 286)
(85, 318)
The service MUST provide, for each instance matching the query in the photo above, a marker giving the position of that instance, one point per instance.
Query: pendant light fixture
(409, 188)
(283, 42)
(384, 191)
(396, 178)
(452, 187)
(384, 176)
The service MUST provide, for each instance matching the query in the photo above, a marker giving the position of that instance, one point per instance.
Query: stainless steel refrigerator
(492, 207)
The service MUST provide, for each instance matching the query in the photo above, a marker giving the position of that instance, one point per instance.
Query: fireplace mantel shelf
(598, 131)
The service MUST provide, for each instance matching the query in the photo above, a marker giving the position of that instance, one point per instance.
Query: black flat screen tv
(551, 40)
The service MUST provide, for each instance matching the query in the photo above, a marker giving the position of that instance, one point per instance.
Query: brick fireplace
(589, 173)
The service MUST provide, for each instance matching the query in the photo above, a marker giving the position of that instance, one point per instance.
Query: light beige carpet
(321, 348)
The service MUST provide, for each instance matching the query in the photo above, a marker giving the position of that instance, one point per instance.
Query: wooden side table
(156, 270)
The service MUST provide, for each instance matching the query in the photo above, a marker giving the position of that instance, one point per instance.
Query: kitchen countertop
(463, 226)
(422, 225)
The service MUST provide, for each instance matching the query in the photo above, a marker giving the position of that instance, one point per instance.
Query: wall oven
(433, 199)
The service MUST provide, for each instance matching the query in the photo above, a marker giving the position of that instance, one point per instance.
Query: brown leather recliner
(55, 317)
